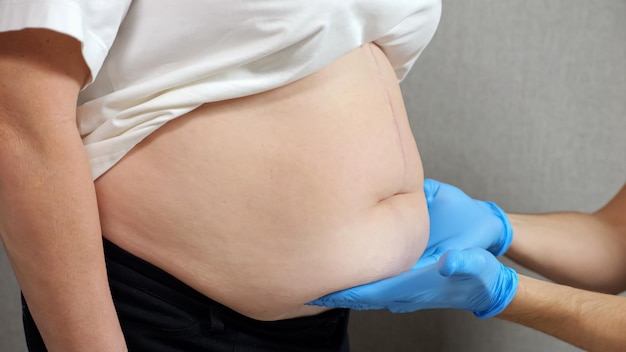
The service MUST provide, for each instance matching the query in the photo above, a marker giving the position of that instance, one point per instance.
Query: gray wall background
(519, 102)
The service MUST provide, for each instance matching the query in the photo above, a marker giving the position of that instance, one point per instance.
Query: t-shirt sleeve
(404, 43)
(94, 23)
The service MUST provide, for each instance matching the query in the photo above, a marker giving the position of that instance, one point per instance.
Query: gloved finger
(342, 303)
(507, 234)
(468, 262)
(378, 294)
(426, 260)
(358, 297)
(431, 187)
(350, 298)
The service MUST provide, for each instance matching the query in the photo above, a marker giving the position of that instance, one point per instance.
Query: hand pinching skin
(471, 279)
(459, 222)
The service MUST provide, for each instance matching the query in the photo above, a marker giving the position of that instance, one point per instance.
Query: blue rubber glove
(472, 279)
(459, 222)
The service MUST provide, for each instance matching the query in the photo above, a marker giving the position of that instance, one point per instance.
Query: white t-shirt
(154, 60)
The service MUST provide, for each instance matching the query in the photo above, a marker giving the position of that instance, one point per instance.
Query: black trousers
(159, 313)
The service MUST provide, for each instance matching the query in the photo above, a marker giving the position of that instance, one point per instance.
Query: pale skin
(48, 208)
(349, 186)
(586, 251)
(47, 198)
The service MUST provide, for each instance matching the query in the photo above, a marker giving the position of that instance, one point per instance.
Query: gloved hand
(471, 279)
(459, 222)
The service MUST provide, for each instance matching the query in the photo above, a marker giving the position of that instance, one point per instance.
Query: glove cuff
(507, 238)
(504, 293)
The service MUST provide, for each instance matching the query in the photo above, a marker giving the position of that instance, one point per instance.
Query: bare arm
(48, 211)
(582, 250)
(587, 251)
(590, 320)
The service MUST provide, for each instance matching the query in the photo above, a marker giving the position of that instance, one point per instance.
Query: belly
(266, 202)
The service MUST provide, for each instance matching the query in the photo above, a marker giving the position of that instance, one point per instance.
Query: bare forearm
(571, 248)
(50, 228)
(592, 321)
(49, 219)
